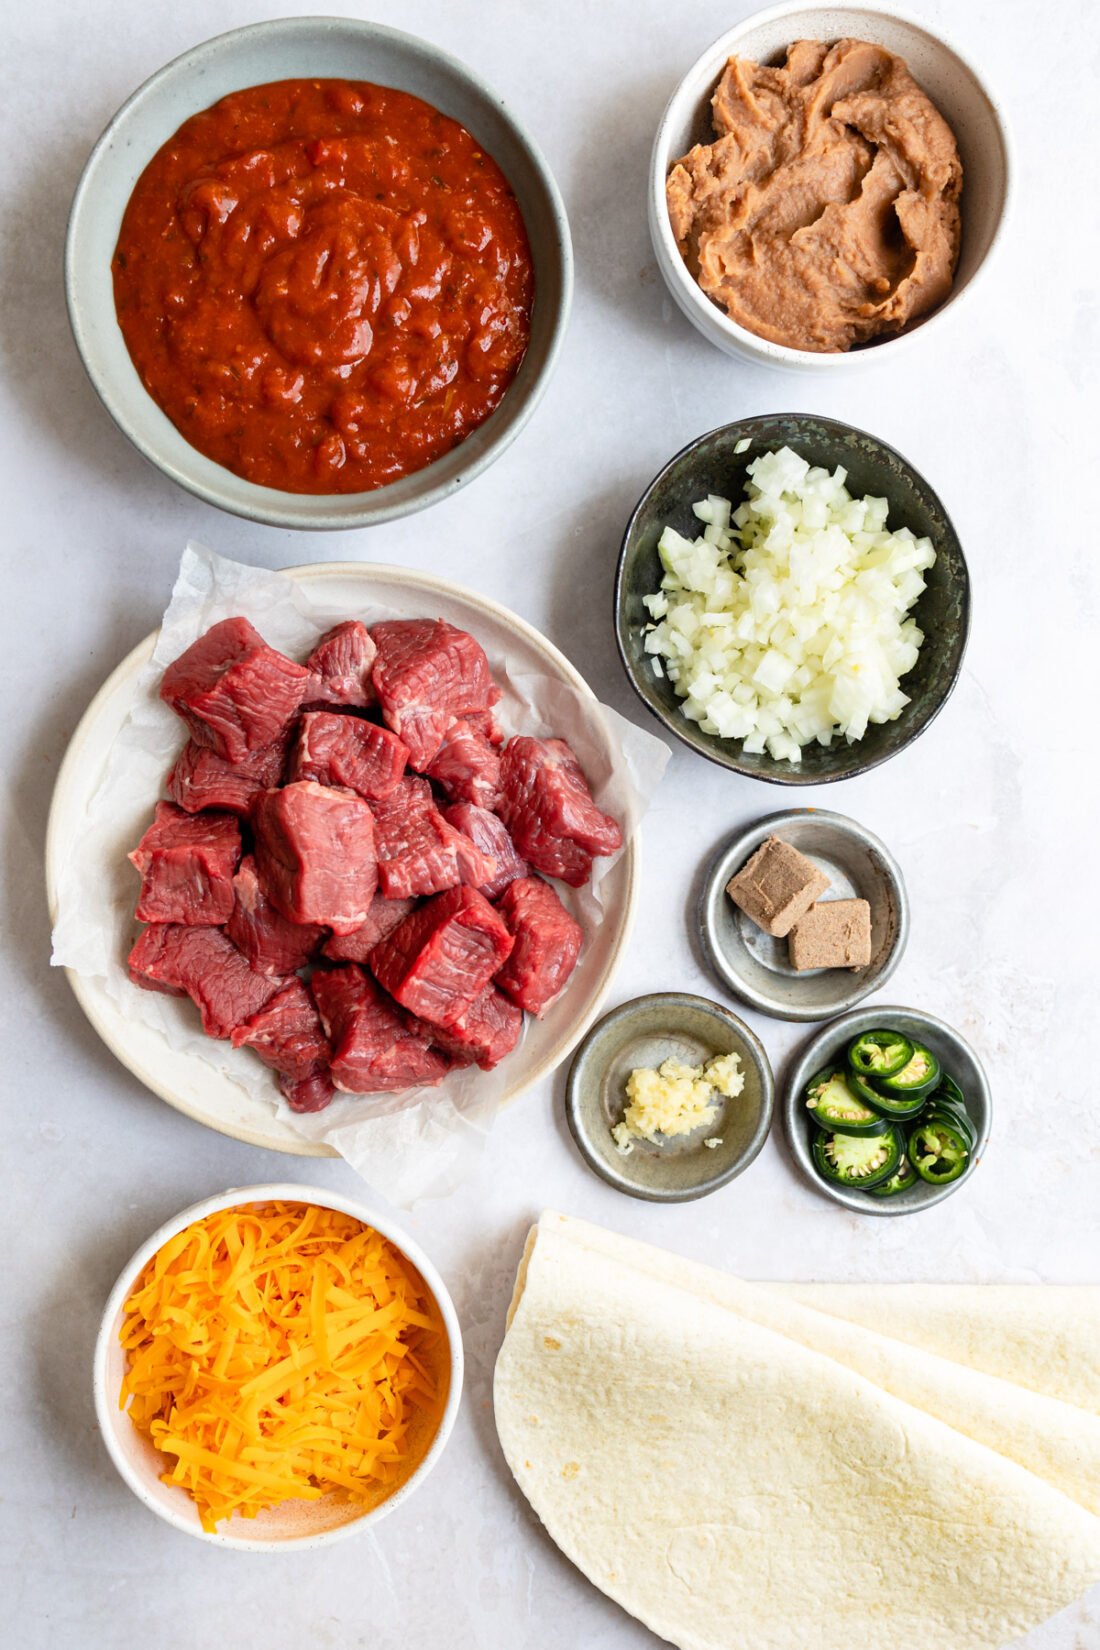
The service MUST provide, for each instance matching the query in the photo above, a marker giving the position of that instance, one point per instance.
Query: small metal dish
(667, 1025)
(756, 967)
(957, 1058)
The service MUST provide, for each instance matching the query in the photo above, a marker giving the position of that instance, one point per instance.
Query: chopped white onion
(785, 621)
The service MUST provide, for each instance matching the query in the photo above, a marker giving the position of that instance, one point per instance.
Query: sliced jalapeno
(906, 1176)
(862, 1161)
(948, 1089)
(953, 1114)
(832, 1105)
(879, 1053)
(938, 1148)
(918, 1076)
(899, 1108)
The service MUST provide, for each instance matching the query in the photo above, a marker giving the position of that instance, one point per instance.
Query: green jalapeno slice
(879, 1053)
(938, 1148)
(906, 1176)
(899, 1108)
(918, 1076)
(833, 1105)
(862, 1161)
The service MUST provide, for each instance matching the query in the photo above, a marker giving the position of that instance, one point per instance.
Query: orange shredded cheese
(282, 1351)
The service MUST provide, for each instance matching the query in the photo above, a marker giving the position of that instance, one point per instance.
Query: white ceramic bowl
(951, 83)
(294, 1523)
(295, 48)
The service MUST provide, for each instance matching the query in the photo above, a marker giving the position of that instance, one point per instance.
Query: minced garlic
(676, 1099)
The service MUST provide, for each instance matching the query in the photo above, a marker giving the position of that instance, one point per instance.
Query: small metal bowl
(667, 1025)
(957, 1058)
(756, 967)
(712, 464)
(345, 48)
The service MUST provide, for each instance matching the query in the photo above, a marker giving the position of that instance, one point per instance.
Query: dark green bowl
(710, 465)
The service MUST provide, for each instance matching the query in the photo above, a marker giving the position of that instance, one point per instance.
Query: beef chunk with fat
(418, 851)
(375, 1048)
(443, 955)
(287, 1033)
(204, 965)
(382, 918)
(203, 779)
(235, 693)
(315, 854)
(466, 767)
(271, 943)
(343, 660)
(345, 750)
(549, 810)
(187, 863)
(490, 834)
(426, 673)
(548, 943)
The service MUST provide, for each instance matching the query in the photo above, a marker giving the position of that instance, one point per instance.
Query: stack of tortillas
(804, 1467)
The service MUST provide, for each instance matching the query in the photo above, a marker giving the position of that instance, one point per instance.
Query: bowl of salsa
(318, 273)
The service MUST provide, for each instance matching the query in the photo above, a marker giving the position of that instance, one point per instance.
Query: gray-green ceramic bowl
(292, 48)
(954, 1054)
(756, 967)
(711, 465)
(645, 1032)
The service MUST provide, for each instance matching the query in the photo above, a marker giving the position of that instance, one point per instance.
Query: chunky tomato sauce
(324, 284)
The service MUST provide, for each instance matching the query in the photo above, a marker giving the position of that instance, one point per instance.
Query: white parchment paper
(409, 1146)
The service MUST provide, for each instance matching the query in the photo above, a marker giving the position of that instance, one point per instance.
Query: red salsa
(324, 284)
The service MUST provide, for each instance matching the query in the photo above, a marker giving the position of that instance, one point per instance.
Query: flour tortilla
(1052, 1439)
(1045, 1337)
(734, 1488)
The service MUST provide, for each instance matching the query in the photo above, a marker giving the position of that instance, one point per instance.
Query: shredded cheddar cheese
(281, 1351)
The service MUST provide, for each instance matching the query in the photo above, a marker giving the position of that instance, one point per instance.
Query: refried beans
(826, 211)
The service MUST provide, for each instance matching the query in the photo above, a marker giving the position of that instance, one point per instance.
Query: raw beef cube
(426, 673)
(443, 955)
(312, 1093)
(235, 693)
(287, 1033)
(271, 943)
(549, 810)
(484, 1033)
(315, 854)
(343, 659)
(490, 834)
(187, 863)
(548, 942)
(203, 779)
(374, 1047)
(466, 766)
(418, 851)
(382, 918)
(202, 964)
(345, 750)
(485, 722)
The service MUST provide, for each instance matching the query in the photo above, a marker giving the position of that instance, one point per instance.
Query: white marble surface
(992, 814)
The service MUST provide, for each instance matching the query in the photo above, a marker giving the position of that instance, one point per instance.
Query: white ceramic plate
(189, 1082)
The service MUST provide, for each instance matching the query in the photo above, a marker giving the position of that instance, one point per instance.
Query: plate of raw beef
(352, 869)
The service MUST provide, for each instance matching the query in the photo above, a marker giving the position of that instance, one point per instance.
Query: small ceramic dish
(954, 87)
(756, 967)
(645, 1032)
(293, 1523)
(291, 48)
(958, 1060)
(712, 464)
